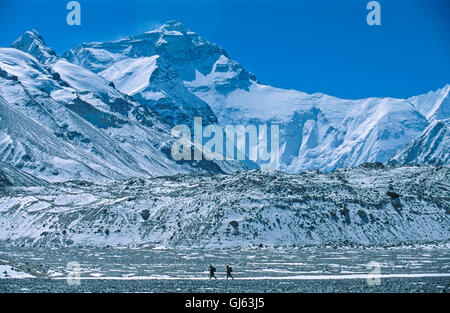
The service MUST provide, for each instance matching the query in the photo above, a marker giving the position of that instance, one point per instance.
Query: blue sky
(312, 45)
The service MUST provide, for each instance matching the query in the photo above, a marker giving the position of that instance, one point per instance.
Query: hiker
(212, 270)
(229, 270)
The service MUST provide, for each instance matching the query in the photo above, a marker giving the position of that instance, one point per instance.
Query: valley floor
(313, 269)
(310, 232)
(389, 285)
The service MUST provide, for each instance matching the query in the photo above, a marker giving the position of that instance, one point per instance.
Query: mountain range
(104, 111)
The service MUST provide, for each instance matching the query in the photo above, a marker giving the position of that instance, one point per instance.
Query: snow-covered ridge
(93, 120)
(11, 176)
(434, 105)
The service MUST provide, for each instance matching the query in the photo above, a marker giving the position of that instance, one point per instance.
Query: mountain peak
(174, 26)
(446, 88)
(33, 43)
(29, 37)
(434, 105)
(35, 34)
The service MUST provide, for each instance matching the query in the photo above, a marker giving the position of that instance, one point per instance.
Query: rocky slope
(368, 205)
(11, 176)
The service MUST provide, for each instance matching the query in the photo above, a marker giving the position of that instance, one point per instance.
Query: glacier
(370, 205)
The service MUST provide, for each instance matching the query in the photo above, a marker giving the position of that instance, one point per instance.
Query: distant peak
(173, 23)
(31, 35)
(442, 92)
(174, 26)
(33, 43)
(35, 34)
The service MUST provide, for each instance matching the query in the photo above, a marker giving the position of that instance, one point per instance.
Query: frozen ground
(7, 271)
(313, 269)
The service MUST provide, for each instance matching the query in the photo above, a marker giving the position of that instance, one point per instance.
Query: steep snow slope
(367, 205)
(60, 121)
(432, 147)
(82, 79)
(434, 105)
(132, 76)
(317, 131)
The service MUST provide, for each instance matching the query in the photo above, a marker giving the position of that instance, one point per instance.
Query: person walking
(212, 271)
(229, 270)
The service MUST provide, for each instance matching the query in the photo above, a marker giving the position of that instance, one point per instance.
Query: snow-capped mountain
(151, 67)
(317, 131)
(60, 121)
(104, 110)
(432, 147)
(32, 42)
